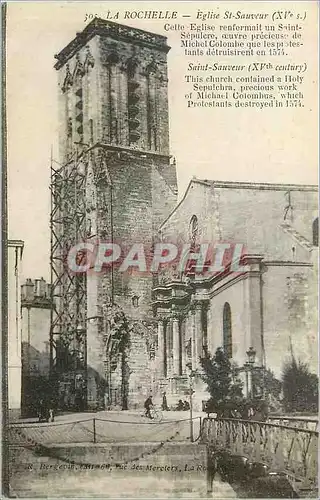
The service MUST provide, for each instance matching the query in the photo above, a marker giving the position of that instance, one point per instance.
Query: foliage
(300, 387)
(264, 382)
(223, 385)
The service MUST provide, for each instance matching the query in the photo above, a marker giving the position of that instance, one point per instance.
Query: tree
(300, 387)
(264, 382)
(223, 385)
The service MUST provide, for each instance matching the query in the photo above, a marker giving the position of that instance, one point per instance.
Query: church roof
(262, 186)
(255, 185)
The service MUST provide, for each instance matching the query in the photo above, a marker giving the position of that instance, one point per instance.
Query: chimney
(27, 290)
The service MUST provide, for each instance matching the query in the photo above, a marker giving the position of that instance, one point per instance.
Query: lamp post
(251, 355)
(191, 392)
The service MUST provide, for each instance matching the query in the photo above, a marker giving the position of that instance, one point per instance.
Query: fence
(301, 423)
(100, 430)
(284, 449)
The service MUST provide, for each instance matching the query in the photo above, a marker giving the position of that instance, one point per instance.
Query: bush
(224, 387)
(300, 387)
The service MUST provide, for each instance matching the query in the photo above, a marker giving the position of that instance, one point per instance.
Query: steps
(138, 470)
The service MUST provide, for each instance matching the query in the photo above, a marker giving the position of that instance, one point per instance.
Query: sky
(210, 143)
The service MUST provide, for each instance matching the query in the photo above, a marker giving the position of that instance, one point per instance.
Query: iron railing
(283, 448)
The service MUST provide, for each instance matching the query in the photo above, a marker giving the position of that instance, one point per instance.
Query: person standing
(148, 404)
(164, 402)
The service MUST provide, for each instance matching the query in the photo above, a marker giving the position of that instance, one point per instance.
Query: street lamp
(191, 392)
(249, 366)
(251, 355)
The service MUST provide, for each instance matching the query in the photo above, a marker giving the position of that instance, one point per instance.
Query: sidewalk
(118, 415)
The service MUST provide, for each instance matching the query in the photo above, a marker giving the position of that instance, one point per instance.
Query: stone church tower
(114, 139)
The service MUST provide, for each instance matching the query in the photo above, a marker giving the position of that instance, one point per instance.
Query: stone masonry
(114, 117)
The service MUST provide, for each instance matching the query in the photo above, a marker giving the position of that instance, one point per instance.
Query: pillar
(198, 332)
(175, 345)
(194, 347)
(254, 336)
(169, 348)
(161, 347)
(183, 345)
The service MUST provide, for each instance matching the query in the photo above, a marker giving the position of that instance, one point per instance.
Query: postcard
(160, 249)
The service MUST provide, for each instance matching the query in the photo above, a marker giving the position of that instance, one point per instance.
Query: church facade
(118, 184)
(270, 307)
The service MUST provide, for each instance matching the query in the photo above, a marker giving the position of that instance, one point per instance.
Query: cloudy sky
(224, 144)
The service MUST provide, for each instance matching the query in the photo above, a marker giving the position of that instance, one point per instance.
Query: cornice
(256, 185)
(286, 263)
(15, 243)
(37, 304)
(113, 30)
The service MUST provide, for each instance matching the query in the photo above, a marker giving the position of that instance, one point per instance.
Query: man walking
(148, 404)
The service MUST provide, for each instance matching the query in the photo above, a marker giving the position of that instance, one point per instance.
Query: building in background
(271, 307)
(35, 322)
(15, 251)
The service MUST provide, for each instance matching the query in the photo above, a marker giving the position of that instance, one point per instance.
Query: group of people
(250, 410)
(45, 411)
(182, 405)
(148, 405)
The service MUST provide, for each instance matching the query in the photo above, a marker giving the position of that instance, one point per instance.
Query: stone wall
(289, 316)
(254, 215)
(113, 94)
(15, 248)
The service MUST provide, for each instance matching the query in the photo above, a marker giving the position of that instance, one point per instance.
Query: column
(175, 345)
(253, 301)
(169, 348)
(194, 347)
(113, 104)
(183, 345)
(161, 347)
(123, 127)
(198, 332)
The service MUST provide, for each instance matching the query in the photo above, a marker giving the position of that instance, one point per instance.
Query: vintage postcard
(160, 249)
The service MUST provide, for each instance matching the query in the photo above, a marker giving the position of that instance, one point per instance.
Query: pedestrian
(186, 405)
(164, 402)
(148, 404)
(180, 405)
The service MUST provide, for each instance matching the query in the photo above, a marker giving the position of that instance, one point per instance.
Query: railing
(100, 430)
(284, 449)
(310, 424)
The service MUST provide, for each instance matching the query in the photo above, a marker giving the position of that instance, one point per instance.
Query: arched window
(227, 330)
(315, 232)
(193, 231)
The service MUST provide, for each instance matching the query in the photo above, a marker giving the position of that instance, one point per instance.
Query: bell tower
(113, 88)
(114, 138)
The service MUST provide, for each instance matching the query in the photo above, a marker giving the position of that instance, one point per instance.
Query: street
(166, 467)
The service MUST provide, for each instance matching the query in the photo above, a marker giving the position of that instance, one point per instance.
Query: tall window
(227, 330)
(315, 232)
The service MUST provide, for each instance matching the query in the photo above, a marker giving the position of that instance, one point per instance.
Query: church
(117, 182)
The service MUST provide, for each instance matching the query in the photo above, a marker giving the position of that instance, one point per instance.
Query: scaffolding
(68, 291)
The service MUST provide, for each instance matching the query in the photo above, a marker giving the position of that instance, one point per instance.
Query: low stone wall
(170, 458)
